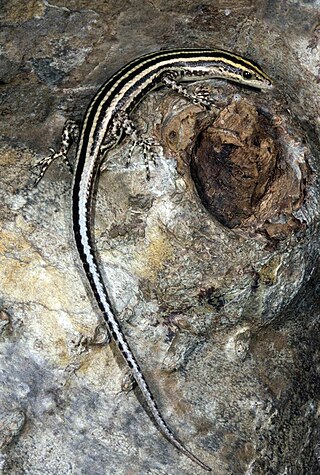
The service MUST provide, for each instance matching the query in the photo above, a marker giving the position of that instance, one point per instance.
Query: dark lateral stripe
(154, 58)
(146, 60)
(137, 66)
(184, 53)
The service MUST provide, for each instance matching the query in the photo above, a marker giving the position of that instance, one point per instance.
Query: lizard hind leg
(123, 125)
(147, 145)
(69, 135)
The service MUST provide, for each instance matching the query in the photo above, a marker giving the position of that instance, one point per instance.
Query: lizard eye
(246, 75)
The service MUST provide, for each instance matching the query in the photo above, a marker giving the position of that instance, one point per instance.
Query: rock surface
(219, 297)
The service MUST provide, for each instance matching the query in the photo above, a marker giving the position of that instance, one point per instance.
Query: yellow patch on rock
(154, 256)
(16, 11)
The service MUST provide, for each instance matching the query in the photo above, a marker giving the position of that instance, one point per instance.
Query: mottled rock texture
(212, 264)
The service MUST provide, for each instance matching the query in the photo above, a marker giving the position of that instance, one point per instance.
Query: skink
(107, 119)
